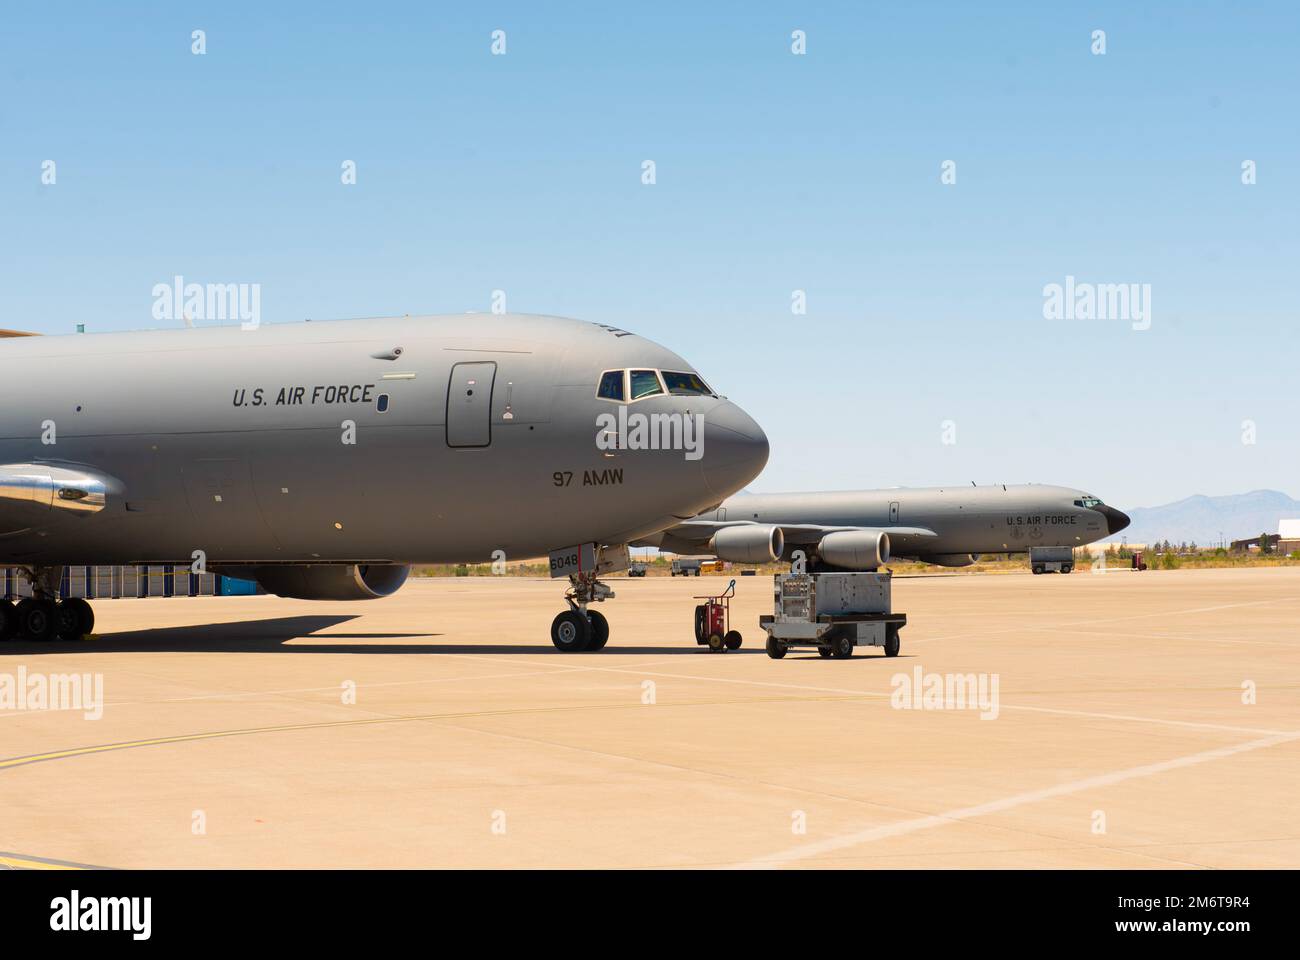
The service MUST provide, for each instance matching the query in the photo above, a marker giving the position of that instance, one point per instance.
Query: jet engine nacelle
(325, 581)
(952, 559)
(855, 549)
(58, 488)
(751, 543)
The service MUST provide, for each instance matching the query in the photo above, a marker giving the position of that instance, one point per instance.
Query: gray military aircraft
(861, 530)
(323, 459)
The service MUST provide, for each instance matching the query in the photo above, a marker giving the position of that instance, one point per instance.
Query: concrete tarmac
(1140, 721)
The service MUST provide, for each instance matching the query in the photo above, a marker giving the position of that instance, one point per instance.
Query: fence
(104, 583)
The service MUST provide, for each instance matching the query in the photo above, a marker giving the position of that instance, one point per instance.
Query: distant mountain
(1202, 519)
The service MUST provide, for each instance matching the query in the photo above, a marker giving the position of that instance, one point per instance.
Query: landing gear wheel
(701, 622)
(599, 630)
(570, 632)
(842, 647)
(8, 621)
(36, 619)
(891, 642)
(824, 652)
(716, 644)
(775, 648)
(732, 639)
(85, 615)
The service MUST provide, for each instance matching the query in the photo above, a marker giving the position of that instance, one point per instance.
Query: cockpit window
(686, 384)
(645, 383)
(611, 385)
(1089, 502)
(626, 385)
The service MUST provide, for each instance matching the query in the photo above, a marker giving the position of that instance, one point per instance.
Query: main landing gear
(579, 629)
(43, 616)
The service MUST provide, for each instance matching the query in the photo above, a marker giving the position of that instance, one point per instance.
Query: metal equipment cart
(833, 613)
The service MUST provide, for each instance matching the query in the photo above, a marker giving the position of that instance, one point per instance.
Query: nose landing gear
(578, 629)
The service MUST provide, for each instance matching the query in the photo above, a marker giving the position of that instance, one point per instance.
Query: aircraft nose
(1115, 520)
(735, 449)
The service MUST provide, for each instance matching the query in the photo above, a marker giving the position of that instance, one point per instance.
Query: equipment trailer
(832, 612)
(1051, 559)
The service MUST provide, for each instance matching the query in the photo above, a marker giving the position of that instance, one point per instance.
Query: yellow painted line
(21, 863)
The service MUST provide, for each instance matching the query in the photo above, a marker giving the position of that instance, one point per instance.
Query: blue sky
(775, 172)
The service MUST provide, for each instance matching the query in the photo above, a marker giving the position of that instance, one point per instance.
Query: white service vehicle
(685, 566)
(833, 612)
(1051, 559)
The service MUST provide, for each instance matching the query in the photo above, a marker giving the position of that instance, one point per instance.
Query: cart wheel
(732, 639)
(716, 643)
(891, 641)
(701, 622)
(775, 648)
(842, 647)
(824, 652)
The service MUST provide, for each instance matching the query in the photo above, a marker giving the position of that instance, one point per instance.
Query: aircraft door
(893, 511)
(469, 404)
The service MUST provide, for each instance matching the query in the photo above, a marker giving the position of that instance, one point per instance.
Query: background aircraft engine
(325, 581)
(752, 543)
(953, 559)
(855, 549)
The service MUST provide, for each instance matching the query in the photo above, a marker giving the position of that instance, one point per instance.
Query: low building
(1288, 532)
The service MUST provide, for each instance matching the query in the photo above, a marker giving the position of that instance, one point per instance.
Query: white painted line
(817, 848)
(872, 695)
(1048, 627)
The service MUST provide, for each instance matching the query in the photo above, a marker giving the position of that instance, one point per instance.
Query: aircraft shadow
(275, 635)
(245, 636)
(861, 657)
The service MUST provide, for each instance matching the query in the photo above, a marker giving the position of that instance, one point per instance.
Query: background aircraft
(323, 459)
(860, 530)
